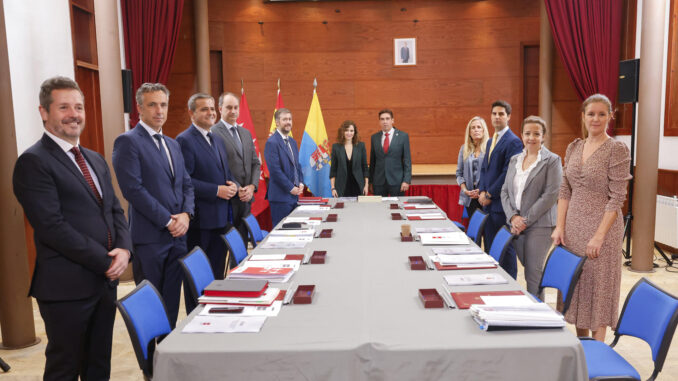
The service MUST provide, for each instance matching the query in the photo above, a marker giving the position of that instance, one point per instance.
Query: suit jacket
(394, 167)
(70, 226)
(465, 174)
(207, 171)
(538, 202)
(493, 170)
(245, 168)
(147, 183)
(340, 172)
(281, 169)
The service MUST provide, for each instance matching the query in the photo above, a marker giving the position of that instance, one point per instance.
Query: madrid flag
(314, 153)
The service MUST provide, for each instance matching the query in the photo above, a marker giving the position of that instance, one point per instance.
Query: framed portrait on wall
(405, 51)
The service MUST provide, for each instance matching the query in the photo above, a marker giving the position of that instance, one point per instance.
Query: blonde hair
(595, 98)
(469, 145)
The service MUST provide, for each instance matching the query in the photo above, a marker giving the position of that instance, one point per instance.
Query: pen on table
(447, 295)
(289, 293)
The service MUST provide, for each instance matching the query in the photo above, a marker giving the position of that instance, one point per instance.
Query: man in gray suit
(242, 158)
(390, 162)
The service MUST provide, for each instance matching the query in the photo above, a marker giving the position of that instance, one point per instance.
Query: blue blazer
(281, 169)
(493, 171)
(147, 183)
(207, 171)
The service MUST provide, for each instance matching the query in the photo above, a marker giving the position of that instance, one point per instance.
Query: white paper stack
(264, 300)
(465, 260)
(224, 324)
(457, 250)
(291, 233)
(444, 238)
(307, 220)
(310, 208)
(534, 315)
(286, 242)
(420, 206)
(261, 270)
(272, 310)
(440, 229)
(475, 279)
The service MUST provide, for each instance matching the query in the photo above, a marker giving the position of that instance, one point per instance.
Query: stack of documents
(419, 206)
(264, 300)
(465, 259)
(274, 241)
(311, 208)
(425, 214)
(468, 249)
(277, 257)
(312, 201)
(369, 198)
(271, 310)
(439, 229)
(304, 220)
(444, 238)
(534, 315)
(303, 232)
(474, 279)
(272, 271)
(224, 324)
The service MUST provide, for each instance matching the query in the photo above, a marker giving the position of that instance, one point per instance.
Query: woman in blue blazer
(348, 172)
(470, 160)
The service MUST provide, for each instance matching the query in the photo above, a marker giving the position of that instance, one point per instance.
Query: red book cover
(465, 299)
(256, 271)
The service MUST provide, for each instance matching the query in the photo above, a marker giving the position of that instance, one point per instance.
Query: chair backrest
(651, 314)
(253, 227)
(500, 243)
(235, 245)
(145, 316)
(476, 226)
(464, 213)
(198, 274)
(562, 271)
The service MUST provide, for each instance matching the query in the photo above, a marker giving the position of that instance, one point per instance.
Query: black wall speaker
(127, 96)
(628, 81)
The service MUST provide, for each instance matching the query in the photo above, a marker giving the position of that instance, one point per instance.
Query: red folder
(417, 218)
(236, 288)
(465, 299)
(455, 267)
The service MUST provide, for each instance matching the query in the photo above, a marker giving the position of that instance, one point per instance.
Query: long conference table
(367, 322)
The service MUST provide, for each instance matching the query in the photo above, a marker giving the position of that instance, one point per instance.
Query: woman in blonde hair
(589, 223)
(471, 156)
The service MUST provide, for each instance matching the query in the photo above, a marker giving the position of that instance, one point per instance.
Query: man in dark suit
(207, 164)
(282, 156)
(405, 53)
(390, 162)
(81, 237)
(153, 178)
(243, 160)
(500, 148)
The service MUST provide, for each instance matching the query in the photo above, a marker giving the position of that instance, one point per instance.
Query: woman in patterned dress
(589, 223)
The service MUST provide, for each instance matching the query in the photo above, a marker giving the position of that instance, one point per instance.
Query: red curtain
(151, 30)
(587, 35)
(445, 196)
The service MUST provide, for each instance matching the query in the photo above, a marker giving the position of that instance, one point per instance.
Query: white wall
(668, 145)
(40, 46)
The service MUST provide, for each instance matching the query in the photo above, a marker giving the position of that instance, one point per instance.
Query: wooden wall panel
(468, 55)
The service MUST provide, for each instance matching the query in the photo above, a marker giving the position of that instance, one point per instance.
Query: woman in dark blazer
(529, 198)
(348, 172)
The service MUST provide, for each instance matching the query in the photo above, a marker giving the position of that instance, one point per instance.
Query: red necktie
(90, 181)
(386, 143)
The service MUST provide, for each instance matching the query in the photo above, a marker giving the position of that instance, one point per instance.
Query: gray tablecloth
(366, 322)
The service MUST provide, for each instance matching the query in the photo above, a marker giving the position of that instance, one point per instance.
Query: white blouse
(521, 176)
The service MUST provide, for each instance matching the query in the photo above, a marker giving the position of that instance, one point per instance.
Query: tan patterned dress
(593, 188)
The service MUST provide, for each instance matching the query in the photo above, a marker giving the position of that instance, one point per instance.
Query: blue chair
(476, 226)
(459, 225)
(198, 274)
(562, 271)
(464, 214)
(500, 243)
(256, 234)
(650, 314)
(145, 316)
(236, 246)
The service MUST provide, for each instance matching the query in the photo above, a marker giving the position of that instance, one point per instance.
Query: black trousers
(387, 190)
(79, 336)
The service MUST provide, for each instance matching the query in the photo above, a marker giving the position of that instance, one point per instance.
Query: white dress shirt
(66, 146)
(390, 137)
(521, 176)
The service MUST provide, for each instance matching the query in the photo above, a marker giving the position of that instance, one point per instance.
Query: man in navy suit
(153, 178)
(81, 237)
(500, 148)
(207, 164)
(285, 185)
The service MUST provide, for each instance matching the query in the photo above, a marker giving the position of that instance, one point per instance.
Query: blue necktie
(294, 163)
(161, 148)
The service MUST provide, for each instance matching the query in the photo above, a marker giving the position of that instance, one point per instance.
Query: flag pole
(242, 86)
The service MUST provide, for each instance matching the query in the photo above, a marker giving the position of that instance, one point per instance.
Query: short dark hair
(386, 111)
(341, 139)
(150, 88)
(281, 111)
(504, 104)
(194, 98)
(534, 120)
(55, 83)
(224, 95)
